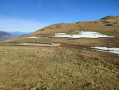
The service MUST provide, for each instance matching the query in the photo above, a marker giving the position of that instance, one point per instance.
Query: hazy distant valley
(6, 36)
(10, 35)
(17, 33)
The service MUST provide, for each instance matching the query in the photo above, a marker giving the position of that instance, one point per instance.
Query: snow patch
(32, 37)
(82, 34)
(77, 34)
(105, 49)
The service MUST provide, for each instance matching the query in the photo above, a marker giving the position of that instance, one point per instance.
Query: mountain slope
(5, 36)
(110, 26)
(109, 23)
(72, 65)
(111, 18)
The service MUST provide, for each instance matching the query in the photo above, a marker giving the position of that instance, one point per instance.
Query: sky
(31, 15)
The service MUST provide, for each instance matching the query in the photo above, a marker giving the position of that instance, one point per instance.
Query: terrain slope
(74, 65)
(5, 36)
(108, 25)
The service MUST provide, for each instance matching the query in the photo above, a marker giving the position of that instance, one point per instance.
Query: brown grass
(56, 68)
(71, 66)
(97, 26)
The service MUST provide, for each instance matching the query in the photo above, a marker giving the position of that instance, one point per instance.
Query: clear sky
(30, 15)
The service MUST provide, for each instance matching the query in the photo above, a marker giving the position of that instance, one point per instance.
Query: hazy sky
(30, 15)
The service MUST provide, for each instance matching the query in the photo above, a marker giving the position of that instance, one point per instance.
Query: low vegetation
(59, 68)
(42, 29)
(109, 25)
(71, 66)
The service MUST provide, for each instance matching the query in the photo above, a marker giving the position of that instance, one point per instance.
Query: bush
(95, 22)
(115, 23)
(109, 25)
(42, 29)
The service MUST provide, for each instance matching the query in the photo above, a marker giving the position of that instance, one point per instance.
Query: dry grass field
(61, 68)
(71, 66)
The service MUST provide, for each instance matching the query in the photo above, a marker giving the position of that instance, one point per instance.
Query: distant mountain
(5, 36)
(20, 33)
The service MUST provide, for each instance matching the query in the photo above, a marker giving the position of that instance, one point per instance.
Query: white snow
(79, 34)
(82, 34)
(62, 35)
(32, 37)
(112, 50)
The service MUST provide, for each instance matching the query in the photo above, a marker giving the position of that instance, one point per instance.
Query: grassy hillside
(97, 25)
(108, 26)
(71, 66)
(111, 18)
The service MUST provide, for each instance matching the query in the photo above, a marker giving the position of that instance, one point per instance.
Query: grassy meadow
(71, 66)
(52, 68)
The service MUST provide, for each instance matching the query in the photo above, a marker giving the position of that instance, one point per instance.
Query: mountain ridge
(107, 23)
(109, 26)
(5, 36)
(110, 18)
(17, 33)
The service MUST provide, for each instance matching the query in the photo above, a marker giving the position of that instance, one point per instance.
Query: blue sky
(30, 15)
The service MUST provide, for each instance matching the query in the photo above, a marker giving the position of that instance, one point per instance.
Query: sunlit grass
(52, 68)
(71, 66)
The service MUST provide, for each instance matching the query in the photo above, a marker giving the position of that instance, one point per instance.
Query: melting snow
(82, 34)
(78, 34)
(31, 37)
(113, 50)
